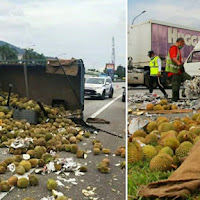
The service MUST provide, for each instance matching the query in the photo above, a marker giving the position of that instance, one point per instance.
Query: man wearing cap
(155, 73)
(175, 69)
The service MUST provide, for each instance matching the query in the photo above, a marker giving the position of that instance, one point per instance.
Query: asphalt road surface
(108, 186)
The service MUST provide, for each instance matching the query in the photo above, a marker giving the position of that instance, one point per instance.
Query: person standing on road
(175, 68)
(155, 73)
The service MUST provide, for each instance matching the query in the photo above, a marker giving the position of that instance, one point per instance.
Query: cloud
(82, 28)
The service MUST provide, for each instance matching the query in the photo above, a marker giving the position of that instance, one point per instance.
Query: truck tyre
(111, 93)
(103, 96)
(123, 98)
(146, 81)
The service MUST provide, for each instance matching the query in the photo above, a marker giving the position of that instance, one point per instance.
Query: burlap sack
(184, 181)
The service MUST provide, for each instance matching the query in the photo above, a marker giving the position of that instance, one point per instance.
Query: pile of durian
(24, 103)
(162, 105)
(164, 143)
(59, 133)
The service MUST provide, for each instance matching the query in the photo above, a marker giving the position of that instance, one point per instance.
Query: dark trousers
(156, 79)
(176, 83)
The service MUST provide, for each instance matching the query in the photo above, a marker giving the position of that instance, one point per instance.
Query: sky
(77, 28)
(182, 12)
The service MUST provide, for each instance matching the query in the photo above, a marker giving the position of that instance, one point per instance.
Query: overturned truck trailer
(54, 82)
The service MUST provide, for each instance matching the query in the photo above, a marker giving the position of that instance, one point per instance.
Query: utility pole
(113, 52)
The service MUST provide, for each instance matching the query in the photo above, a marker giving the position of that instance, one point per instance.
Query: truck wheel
(146, 81)
(123, 98)
(111, 93)
(103, 95)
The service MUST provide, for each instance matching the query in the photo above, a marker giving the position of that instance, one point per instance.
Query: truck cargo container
(159, 37)
(53, 83)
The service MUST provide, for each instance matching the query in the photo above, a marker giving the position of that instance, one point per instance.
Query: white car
(99, 87)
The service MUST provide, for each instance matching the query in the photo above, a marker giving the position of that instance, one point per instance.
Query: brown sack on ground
(184, 181)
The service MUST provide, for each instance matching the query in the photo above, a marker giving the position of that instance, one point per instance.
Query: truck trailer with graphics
(159, 37)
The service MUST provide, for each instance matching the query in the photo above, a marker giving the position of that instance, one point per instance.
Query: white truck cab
(192, 63)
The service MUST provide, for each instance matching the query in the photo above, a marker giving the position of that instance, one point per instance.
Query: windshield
(95, 80)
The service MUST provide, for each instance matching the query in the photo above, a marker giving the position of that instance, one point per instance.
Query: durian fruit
(163, 102)
(195, 130)
(83, 169)
(9, 160)
(165, 126)
(149, 106)
(176, 160)
(62, 198)
(151, 138)
(158, 148)
(103, 168)
(96, 151)
(178, 125)
(98, 145)
(183, 149)
(72, 140)
(152, 126)
(167, 150)
(79, 137)
(161, 162)
(20, 170)
(22, 183)
(47, 157)
(74, 148)
(195, 116)
(195, 140)
(172, 142)
(58, 167)
(4, 186)
(95, 141)
(26, 164)
(107, 161)
(166, 135)
(34, 162)
(166, 107)
(33, 180)
(2, 170)
(12, 180)
(139, 133)
(48, 136)
(158, 107)
(41, 163)
(160, 120)
(31, 152)
(67, 147)
(51, 184)
(106, 151)
(174, 107)
(141, 139)
(184, 136)
(123, 164)
(87, 134)
(135, 153)
(17, 158)
(149, 151)
(80, 154)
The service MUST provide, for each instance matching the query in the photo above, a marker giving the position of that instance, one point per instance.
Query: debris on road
(34, 148)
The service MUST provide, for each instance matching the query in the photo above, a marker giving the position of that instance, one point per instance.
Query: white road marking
(104, 107)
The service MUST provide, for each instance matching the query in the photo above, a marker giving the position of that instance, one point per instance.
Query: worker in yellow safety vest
(155, 73)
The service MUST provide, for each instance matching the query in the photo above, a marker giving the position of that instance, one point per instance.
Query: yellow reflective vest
(154, 69)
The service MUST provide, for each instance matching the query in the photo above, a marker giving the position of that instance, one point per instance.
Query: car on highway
(99, 87)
